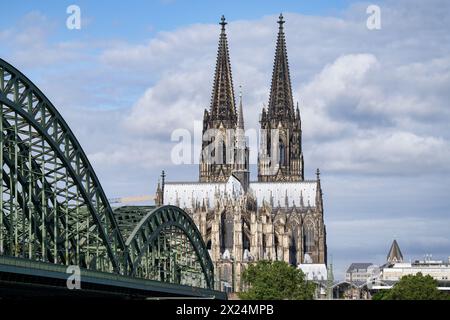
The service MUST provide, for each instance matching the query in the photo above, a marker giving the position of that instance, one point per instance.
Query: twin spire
(222, 100)
(223, 105)
(281, 103)
(224, 114)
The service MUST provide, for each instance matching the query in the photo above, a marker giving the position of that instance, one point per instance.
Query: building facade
(277, 217)
(360, 271)
(395, 268)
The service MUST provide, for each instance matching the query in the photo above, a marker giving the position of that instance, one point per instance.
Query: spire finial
(223, 23)
(240, 91)
(318, 174)
(280, 20)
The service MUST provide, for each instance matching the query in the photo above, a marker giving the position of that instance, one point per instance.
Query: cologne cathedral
(277, 217)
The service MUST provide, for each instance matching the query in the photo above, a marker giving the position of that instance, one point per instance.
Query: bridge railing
(59, 275)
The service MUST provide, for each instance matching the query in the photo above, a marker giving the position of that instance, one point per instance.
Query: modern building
(438, 269)
(277, 217)
(355, 284)
(359, 271)
(395, 268)
(364, 279)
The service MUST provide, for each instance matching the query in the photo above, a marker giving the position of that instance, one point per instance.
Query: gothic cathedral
(277, 217)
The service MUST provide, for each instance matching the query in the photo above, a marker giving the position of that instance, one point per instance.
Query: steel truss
(167, 246)
(53, 208)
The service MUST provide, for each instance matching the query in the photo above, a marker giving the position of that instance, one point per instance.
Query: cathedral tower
(280, 157)
(278, 217)
(224, 148)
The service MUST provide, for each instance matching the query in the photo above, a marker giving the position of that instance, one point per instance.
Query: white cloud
(29, 42)
(140, 153)
(378, 152)
(174, 102)
(185, 46)
(354, 105)
(412, 233)
(322, 96)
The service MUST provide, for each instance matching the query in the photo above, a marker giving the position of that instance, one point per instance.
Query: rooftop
(359, 266)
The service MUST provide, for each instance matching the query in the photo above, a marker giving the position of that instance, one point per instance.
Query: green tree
(381, 295)
(413, 287)
(276, 280)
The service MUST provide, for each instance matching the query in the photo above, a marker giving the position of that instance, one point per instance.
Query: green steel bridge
(54, 214)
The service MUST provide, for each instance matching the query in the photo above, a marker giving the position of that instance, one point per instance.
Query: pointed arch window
(308, 238)
(277, 257)
(220, 145)
(293, 249)
(224, 153)
(282, 153)
(245, 235)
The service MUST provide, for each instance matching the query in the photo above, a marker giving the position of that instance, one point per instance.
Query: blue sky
(374, 103)
(137, 19)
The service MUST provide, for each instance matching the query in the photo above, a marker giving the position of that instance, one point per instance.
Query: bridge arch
(53, 207)
(184, 258)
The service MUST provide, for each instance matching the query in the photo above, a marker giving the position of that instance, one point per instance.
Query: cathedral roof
(283, 194)
(222, 99)
(280, 101)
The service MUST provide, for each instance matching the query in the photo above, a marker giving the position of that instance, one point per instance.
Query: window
(293, 250)
(276, 248)
(282, 153)
(224, 153)
(308, 238)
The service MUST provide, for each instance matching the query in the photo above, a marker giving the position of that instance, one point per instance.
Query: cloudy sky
(374, 103)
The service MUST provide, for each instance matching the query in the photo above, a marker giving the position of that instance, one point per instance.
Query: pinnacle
(240, 120)
(280, 100)
(222, 99)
